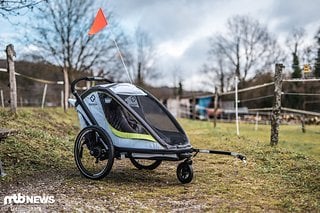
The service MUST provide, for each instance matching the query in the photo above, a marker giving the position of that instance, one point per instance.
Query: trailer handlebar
(73, 84)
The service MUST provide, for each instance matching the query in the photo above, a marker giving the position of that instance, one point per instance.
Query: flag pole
(123, 63)
(98, 24)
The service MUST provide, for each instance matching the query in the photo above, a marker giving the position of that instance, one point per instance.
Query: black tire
(150, 165)
(93, 148)
(185, 172)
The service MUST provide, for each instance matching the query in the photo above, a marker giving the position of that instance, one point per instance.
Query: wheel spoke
(93, 153)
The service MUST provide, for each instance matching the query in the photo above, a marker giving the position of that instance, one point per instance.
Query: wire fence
(251, 99)
(255, 104)
(34, 91)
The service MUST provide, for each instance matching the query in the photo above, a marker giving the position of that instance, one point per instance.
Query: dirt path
(117, 192)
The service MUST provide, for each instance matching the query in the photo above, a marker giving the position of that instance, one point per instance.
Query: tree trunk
(139, 76)
(238, 59)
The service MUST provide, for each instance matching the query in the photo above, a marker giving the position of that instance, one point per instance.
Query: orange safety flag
(99, 23)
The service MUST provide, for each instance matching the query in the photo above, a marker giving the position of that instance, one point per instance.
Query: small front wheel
(145, 164)
(93, 152)
(185, 172)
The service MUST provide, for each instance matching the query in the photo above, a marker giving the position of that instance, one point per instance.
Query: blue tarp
(203, 104)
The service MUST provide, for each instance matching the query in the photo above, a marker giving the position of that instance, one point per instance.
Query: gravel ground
(73, 193)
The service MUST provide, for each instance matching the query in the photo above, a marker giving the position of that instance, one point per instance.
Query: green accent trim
(130, 135)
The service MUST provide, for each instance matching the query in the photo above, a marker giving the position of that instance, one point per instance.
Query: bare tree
(294, 43)
(308, 54)
(317, 57)
(216, 70)
(295, 40)
(177, 80)
(145, 59)
(247, 46)
(14, 7)
(60, 32)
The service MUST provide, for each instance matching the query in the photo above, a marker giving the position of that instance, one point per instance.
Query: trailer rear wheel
(93, 152)
(185, 172)
(145, 164)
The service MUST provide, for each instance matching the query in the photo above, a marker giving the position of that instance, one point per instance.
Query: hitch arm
(241, 157)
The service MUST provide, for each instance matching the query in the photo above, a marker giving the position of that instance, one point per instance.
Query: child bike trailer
(121, 120)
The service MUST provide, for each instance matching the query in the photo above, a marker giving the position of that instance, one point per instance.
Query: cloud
(168, 19)
(294, 13)
(180, 28)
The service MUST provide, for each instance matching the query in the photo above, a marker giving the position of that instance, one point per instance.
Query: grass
(284, 178)
(44, 140)
(290, 136)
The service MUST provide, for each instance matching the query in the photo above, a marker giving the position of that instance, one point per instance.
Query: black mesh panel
(157, 118)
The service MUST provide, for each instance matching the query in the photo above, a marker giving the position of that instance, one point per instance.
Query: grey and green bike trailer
(121, 120)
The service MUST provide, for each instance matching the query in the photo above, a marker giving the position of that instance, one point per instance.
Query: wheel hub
(96, 152)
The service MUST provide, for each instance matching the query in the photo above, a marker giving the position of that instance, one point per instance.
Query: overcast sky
(180, 28)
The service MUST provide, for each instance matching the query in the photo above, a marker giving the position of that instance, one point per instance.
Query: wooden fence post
(178, 106)
(12, 78)
(215, 107)
(257, 122)
(44, 96)
(275, 117)
(303, 126)
(66, 88)
(2, 99)
(193, 107)
(62, 99)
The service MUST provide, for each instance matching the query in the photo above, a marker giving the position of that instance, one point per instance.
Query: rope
(261, 109)
(248, 89)
(301, 80)
(300, 111)
(253, 99)
(34, 79)
(288, 110)
(306, 94)
(39, 80)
